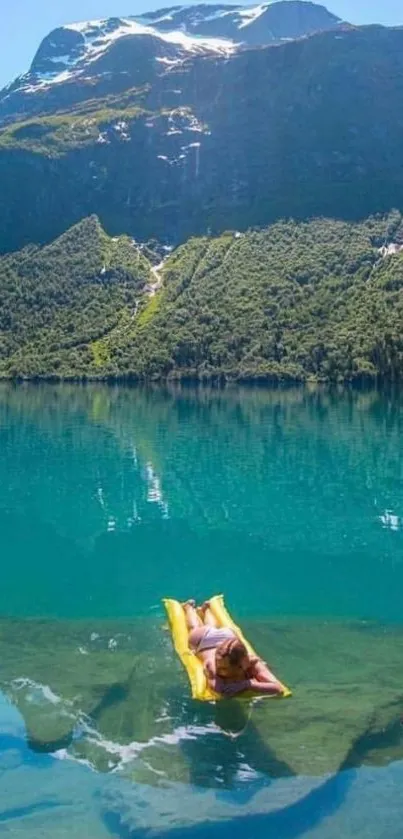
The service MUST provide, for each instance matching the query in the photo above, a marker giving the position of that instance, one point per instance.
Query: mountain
(312, 301)
(170, 129)
(109, 54)
(165, 140)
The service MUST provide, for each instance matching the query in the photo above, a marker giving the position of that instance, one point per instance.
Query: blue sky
(25, 22)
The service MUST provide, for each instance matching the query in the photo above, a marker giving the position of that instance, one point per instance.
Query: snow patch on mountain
(128, 26)
(70, 54)
(250, 15)
(99, 36)
(84, 25)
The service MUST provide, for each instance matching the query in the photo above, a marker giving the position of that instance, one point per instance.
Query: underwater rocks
(113, 696)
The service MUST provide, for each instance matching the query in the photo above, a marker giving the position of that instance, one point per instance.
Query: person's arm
(262, 679)
(272, 688)
(214, 681)
(220, 686)
(259, 671)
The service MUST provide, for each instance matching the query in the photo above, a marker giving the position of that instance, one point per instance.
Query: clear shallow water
(288, 501)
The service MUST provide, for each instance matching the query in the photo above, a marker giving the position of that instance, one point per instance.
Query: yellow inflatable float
(192, 664)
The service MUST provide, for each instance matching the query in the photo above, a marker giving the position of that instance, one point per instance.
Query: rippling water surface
(290, 502)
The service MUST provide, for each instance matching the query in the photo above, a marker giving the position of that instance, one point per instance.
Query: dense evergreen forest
(320, 300)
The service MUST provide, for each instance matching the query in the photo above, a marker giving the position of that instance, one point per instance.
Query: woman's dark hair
(234, 650)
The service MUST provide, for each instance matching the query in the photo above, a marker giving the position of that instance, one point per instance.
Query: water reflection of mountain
(111, 694)
(193, 449)
(303, 483)
(71, 467)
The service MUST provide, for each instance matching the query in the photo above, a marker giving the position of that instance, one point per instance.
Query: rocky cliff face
(187, 120)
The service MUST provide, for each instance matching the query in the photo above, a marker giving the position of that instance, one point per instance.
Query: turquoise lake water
(288, 501)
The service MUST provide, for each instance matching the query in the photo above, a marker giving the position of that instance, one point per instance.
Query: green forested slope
(315, 300)
(56, 302)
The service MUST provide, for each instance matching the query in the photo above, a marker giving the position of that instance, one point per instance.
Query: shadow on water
(49, 746)
(113, 696)
(16, 813)
(229, 740)
(291, 821)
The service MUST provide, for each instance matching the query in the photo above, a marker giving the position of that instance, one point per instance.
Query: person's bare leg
(192, 618)
(194, 623)
(208, 617)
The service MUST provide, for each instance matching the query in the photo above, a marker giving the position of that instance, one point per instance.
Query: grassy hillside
(315, 300)
(56, 135)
